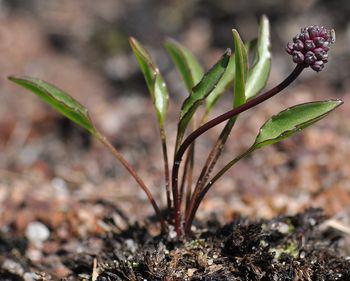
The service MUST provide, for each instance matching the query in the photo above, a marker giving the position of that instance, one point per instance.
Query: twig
(337, 225)
(95, 274)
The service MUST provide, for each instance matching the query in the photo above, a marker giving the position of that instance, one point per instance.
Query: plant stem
(166, 168)
(214, 156)
(140, 182)
(190, 176)
(212, 123)
(195, 202)
(184, 174)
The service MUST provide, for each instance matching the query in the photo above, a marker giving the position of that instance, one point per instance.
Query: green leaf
(154, 80)
(251, 48)
(59, 100)
(199, 93)
(186, 63)
(227, 79)
(241, 70)
(259, 73)
(293, 120)
(223, 85)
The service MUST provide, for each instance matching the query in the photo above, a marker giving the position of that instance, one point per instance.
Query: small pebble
(60, 187)
(131, 245)
(37, 232)
(191, 271)
(281, 227)
(30, 276)
(12, 267)
(34, 254)
(312, 222)
(172, 233)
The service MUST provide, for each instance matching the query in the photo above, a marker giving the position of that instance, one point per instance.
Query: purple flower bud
(325, 46)
(317, 66)
(324, 33)
(319, 53)
(309, 45)
(313, 32)
(319, 41)
(325, 58)
(289, 48)
(310, 58)
(298, 57)
(304, 36)
(298, 45)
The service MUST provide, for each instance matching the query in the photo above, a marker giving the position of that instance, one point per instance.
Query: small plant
(309, 48)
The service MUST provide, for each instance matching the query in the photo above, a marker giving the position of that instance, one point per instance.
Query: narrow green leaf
(227, 79)
(187, 65)
(154, 80)
(259, 73)
(59, 100)
(292, 120)
(251, 47)
(199, 93)
(241, 70)
(223, 85)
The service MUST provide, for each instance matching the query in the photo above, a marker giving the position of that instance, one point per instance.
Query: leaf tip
(13, 78)
(170, 40)
(132, 41)
(22, 79)
(264, 18)
(226, 57)
(339, 102)
(17, 79)
(235, 32)
(170, 44)
(236, 36)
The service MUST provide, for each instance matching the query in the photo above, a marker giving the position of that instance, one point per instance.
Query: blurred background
(53, 172)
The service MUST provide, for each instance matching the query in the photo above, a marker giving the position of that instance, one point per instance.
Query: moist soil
(295, 247)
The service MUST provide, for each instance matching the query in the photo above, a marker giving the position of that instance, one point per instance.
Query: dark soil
(284, 248)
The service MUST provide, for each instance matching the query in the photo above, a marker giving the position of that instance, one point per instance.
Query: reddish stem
(166, 168)
(140, 182)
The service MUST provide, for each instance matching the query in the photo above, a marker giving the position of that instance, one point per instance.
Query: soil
(296, 247)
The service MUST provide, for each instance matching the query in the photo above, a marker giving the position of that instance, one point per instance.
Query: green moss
(289, 249)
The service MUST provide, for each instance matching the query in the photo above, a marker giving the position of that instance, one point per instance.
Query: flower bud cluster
(311, 47)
